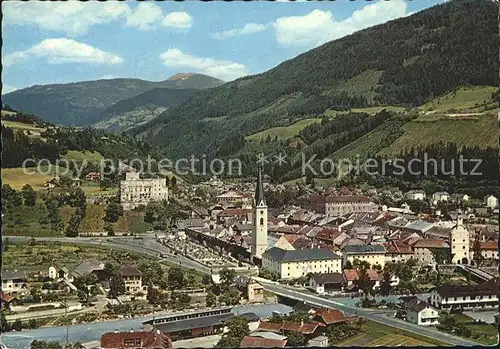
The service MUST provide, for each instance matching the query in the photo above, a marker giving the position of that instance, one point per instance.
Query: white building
(491, 202)
(259, 214)
(296, 263)
(415, 195)
(460, 242)
(483, 296)
(440, 196)
(421, 313)
(135, 191)
(14, 281)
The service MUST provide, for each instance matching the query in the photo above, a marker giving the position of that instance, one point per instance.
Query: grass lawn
(481, 131)
(488, 333)
(284, 132)
(93, 157)
(465, 99)
(22, 126)
(373, 334)
(374, 110)
(17, 177)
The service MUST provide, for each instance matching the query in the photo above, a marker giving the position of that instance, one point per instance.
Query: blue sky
(47, 42)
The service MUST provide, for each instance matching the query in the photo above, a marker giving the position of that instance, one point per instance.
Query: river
(91, 332)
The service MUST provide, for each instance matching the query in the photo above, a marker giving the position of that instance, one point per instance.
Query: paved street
(375, 315)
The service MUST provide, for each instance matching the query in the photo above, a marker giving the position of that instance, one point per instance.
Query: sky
(62, 42)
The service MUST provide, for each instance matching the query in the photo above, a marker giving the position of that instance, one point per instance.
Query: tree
(153, 295)
(113, 212)
(237, 329)
(295, 339)
(17, 325)
(32, 324)
(477, 257)
(210, 299)
(73, 224)
(206, 280)
(86, 287)
(105, 183)
(4, 325)
(348, 265)
(385, 286)
(29, 195)
(36, 344)
(231, 297)
(175, 278)
(116, 287)
(227, 277)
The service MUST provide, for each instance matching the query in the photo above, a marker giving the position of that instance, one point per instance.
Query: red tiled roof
(402, 247)
(234, 212)
(350, 274)
(305, 328)
(6, 298)
(124, 340)
(259, 342)
(291, 238)
(430, 243)
(270, 326)
(489, 245)
(330, 316)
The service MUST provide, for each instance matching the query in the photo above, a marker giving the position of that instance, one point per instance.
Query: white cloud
(319, 26)
(225, 70)
(7, 88)
(71, 17)
(75, 18)
(178, 20)
(145, 16)
(249, 28)
(62, 50)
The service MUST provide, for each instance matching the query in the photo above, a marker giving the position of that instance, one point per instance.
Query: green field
(374, 110)
(22, 126)
(17, 177)
(94, 157)
(481, 131)
(374, 334)
(23, 220)
(283, 132)
(363, 84)
(464, 99)
(487, 333)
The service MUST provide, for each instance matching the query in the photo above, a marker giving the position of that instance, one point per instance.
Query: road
(376, 315)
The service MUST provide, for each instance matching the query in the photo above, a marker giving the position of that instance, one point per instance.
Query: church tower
(259, 213)
(460, 242)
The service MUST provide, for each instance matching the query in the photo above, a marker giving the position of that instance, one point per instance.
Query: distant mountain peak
(180, 76)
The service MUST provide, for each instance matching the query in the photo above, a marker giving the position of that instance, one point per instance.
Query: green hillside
(404, 63)
(283, 132)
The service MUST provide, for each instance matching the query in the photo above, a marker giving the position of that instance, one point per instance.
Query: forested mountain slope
(405, 62)
(81, 103)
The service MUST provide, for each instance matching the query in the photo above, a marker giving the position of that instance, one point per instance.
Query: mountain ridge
(78, 102)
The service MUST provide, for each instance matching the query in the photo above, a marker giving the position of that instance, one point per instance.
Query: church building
(259, 208)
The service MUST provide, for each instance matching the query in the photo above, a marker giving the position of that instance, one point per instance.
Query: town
(260, 174)
(337, 258)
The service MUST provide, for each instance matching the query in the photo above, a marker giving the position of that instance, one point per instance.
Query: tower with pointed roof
(259, 214)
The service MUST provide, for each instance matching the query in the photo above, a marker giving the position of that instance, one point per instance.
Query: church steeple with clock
(259, 213)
